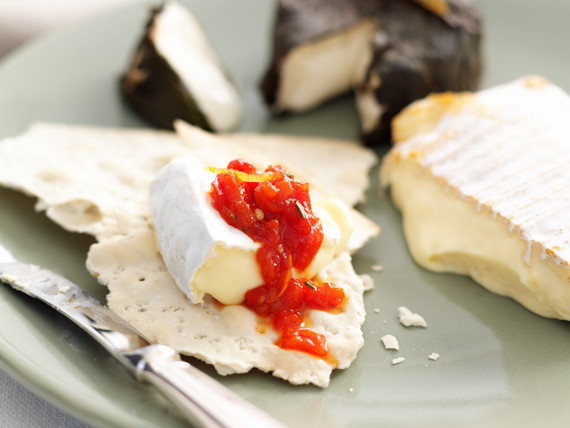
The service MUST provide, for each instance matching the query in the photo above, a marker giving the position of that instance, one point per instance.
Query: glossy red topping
(275, 210)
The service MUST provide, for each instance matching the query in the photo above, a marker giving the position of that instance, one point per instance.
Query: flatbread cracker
(95, 180)
(337, 167)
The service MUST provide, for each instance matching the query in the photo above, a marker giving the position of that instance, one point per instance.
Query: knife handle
(200, 398)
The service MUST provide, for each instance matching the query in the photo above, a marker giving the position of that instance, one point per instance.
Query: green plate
(499, 364)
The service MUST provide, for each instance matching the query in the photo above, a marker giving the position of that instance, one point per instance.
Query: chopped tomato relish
(275, 210)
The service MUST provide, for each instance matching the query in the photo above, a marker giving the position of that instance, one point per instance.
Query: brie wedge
(483, 184)
(203, 253)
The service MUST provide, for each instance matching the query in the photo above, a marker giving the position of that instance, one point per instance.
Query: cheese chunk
(180, 38)
(203, 253)
(483, 184)
(314, 72)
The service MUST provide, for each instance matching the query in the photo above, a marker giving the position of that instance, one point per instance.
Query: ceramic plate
(499, 364)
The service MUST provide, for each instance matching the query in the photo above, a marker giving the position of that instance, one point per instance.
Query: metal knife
(201, 399)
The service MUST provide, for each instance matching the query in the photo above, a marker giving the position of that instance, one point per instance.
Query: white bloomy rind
(483, 182)
(180, 38)
(203, 253)
(193, 238)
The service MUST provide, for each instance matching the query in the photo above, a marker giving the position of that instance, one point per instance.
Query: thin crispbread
(95, 180)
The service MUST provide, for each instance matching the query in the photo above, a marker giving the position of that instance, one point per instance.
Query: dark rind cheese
(174, 74)
(415, 50)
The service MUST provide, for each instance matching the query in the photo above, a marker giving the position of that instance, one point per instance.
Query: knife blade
(201, 399)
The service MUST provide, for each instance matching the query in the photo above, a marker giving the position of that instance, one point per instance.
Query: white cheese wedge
(483, 183)
(180, 37)
(203, 253)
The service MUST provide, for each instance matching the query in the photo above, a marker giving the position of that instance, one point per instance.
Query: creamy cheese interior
(343, 58)
(85, 166)
(180, 38)
(203, 253)
(337, 228)
(446, 233)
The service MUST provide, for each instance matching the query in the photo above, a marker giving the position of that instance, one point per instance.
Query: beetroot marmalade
(275, 210)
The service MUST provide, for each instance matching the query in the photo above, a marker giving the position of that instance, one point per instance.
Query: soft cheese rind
(484, 187)
(203, 253)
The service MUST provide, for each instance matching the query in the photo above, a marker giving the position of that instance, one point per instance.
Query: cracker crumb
(390, 342)
(376, 311)
(377, 268)
(410, 319)
(367, 281)
(63, 289)
(433, 356)
(398, 360)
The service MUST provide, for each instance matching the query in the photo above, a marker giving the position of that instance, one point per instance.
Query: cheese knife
(202, 400)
